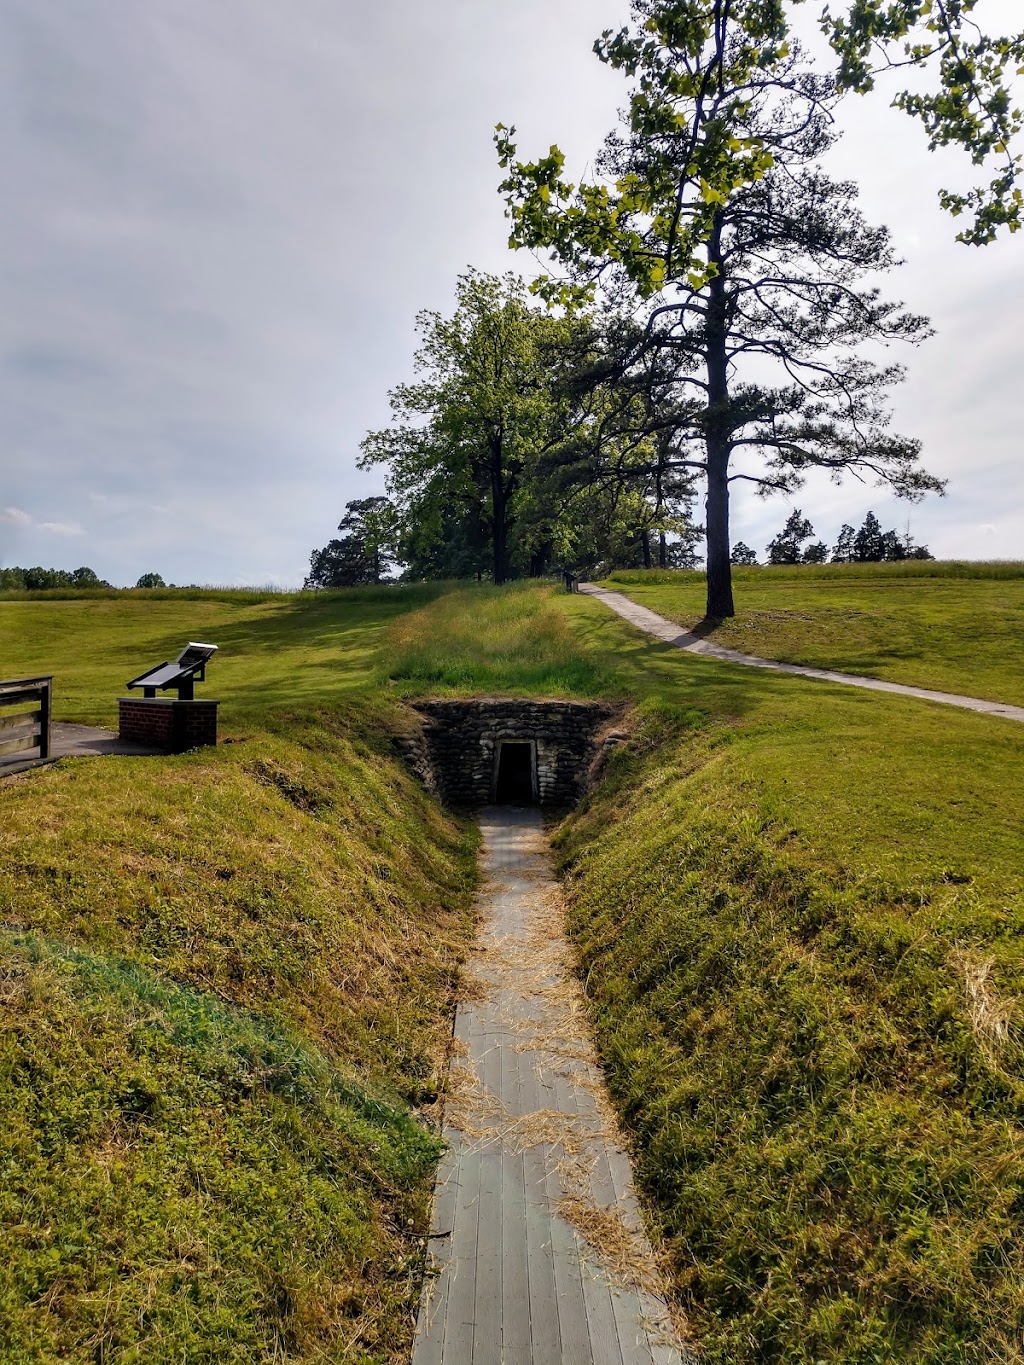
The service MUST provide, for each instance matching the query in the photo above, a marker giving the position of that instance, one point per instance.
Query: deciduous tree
(469, 432)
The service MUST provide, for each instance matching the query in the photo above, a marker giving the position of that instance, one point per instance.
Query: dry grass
(990, 1015)
(620, 1251)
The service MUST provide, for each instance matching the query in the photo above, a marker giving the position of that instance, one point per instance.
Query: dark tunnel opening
(515, 783)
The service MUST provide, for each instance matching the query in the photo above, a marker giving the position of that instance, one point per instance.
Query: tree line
(39, 579)
(712, 317)
(868, 545)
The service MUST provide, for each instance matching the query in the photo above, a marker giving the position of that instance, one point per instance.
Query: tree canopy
(695, 63)
(364, 553)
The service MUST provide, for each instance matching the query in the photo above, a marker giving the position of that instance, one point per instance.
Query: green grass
(477, 639)
(799, 911)
(184, 1181)
(276, 650)
(947, 626)
(227, 980)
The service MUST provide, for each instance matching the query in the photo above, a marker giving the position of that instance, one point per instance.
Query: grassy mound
(514, 639)
(185, 1181)
(821, 1062)
(949, 626)
(226, 982)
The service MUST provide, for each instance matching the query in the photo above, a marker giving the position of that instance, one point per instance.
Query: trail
(537, 1249)
(652, 624)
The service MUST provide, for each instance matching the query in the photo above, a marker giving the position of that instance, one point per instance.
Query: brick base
(167, 723)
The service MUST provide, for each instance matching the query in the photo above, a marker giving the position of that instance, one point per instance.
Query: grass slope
(951, 627)
(799, 912)
(226, 981)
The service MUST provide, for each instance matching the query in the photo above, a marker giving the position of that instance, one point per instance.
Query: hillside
(227, 980)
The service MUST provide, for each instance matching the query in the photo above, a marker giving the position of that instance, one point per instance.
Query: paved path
(76, 741)
(536, 1241)
(653, 624)
(82, 741)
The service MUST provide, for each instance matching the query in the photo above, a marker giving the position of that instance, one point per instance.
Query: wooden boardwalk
(537, 1249)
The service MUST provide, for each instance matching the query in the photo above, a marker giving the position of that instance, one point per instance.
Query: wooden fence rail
(25, 717)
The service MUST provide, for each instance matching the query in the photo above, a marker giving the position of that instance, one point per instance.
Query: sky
(221, 221)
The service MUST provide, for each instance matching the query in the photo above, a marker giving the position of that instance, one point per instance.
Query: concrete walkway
(653, 624)
(83, 741)
(76, 741)
(537, 1252)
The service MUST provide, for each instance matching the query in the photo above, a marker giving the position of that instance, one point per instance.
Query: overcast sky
(221, 219)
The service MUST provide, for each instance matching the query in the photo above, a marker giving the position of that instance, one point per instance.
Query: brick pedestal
(167, 723)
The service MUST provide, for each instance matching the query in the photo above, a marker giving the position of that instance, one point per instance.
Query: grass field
(277, 650)
(799, 911)
(951, 627)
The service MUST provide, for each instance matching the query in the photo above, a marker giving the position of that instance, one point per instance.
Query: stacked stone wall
(460, 741)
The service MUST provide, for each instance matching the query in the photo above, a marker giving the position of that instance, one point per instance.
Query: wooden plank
(17, 746)
(488, 1311)
(461, 1290)
(487, 1315)
(10, 769)
(515, 1281)
(19, 718)
(25, 684)
(24, 696)
(545, 1337)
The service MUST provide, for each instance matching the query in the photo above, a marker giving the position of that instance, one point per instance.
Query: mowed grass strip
(227, 980)
(951, 627)
(799, 913)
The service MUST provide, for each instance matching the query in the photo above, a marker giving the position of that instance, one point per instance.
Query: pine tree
(842, 551)
(785, 548)
(869, 543)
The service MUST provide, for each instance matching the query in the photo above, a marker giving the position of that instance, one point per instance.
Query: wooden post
(22, 729)
(45, 711)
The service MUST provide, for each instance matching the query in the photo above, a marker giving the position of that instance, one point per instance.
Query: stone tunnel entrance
(507, 751)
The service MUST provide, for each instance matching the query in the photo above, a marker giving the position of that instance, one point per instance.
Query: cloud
(210, 278)
(62, 528)
(16, 516)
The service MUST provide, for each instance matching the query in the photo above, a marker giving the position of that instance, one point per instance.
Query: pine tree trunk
(718, 441)
(662, 551)
(645, 545)
(719, 601)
